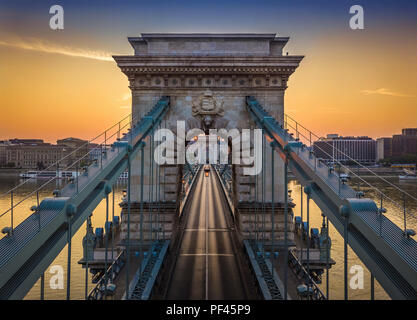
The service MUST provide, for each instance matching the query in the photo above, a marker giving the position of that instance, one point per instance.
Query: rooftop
(258, 44)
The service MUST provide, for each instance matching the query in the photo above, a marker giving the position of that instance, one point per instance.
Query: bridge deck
(206, 267)
(393, 235)
(120, 280)
(23, 233)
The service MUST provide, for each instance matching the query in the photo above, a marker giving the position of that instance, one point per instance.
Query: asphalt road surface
(206, 267)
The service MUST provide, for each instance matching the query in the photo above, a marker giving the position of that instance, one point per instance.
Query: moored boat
(409, 175)
(49, 174)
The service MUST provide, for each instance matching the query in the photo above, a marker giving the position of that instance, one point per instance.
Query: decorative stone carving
(218, 71)
(88, 242)
(229, 66)
(208, 108)
(207, 104)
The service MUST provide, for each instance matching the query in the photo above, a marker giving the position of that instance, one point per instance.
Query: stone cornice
(185, 91)
(270, 36)
(208, 65)
(154, 78)
(208, 70)
(208, 44)
(198, 60)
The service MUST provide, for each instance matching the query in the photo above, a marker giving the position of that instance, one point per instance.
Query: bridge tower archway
(208, 77)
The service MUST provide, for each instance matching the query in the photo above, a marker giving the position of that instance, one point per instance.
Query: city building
(383, 148)
(94, 151)
(37, 154)
(346, 149)
(33, 155)
(405, 143)
(80, 148)
(25, 141)
(3, 146)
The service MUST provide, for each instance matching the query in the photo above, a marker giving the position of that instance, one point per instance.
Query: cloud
(336, 110)
(126, 96)
(386, 92)
(48, 47)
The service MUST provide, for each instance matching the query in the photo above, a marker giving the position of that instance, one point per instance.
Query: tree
(40, 166)
(403, 159)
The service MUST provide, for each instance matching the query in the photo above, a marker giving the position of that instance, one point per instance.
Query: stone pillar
(207, 78)
(256, 223)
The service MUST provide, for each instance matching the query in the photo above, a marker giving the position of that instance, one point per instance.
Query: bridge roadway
(207, 266)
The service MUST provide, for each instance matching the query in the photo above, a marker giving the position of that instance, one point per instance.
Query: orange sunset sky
(57, 84)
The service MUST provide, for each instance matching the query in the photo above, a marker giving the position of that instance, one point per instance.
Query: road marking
(210, 230)
(206, 209)
(207, 254)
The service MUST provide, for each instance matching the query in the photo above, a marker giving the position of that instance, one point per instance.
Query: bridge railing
(313, 291)
(27, 195)
(400, 205)
(225, 174)
(101, 290)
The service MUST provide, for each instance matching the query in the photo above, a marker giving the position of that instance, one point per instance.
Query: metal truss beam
(37, 241)
(381, 245)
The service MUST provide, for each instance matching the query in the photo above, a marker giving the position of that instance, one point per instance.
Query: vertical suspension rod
(272, 208)
(285, 228)
(128, 227)
(150, 206)
(69, 259)
(86, 261)
(308, 243)
(112, 237)
(345, 256)
(327, 258)
(263, 192)
(141, 204)
(107, 242)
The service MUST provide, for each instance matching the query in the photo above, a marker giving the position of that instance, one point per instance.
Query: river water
(336, 284)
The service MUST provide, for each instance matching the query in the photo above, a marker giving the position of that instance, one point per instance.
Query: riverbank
(370, 172)
(383, 171)
(386, 172)
(11, 172)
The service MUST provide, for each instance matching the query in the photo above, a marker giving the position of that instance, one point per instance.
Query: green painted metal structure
(389, 254)
(35, 243)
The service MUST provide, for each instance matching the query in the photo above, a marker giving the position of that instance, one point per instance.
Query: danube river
(98, 219)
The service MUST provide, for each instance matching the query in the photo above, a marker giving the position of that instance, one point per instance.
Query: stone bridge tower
(208, 77)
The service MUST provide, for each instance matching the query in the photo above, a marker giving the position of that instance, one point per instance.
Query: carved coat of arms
(207, 104)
